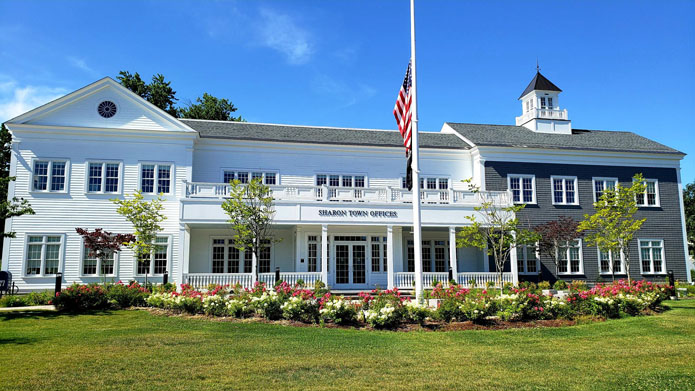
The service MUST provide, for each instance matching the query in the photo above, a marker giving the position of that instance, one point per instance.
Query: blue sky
(623, 65)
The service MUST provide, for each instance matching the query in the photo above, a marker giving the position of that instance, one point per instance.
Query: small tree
(146, 217)
(613, 225)
(101, 244)
(553, 234)
(9, 207)
(251, 212)
(498, 229)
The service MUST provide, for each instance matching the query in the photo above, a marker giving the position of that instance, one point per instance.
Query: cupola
(540, 108)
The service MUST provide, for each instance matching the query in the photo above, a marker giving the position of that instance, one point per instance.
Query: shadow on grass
(38, 314)
(682, 305)
(17, 341)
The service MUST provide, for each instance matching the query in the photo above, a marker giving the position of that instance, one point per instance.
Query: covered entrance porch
(343, 257)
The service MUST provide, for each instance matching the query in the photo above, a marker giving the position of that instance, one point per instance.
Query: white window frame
(61, 255)
(250, 172)
(83, 255)
(103, 176)
(49, 180)
(170, 239)
(522, 250)
(569, 268)
(340, 179)
(521, 187)
(564, 180)
(611, 260)
(172, 177)
(228, 240)
(657, 199)
(651, 260)
(604, 180)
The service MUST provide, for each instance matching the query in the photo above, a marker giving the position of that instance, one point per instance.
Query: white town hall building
(342, 214)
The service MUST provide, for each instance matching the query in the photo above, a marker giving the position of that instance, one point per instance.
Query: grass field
(137, 350)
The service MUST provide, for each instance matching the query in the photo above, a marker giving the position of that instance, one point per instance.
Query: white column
(514, 266)
(298, 267)
(452, 253)
(324, 254)
(390, 256)
(486, 260)
(254, 266)
(183, 263)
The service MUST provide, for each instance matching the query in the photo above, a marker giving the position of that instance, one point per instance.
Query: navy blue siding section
(663, 222)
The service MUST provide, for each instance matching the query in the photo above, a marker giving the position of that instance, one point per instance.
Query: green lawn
(137, 350)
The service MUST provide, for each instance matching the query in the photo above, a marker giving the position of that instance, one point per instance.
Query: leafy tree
(498, 229)
(158, 91)
(614, 225)
(101, 244)
(554, 234)
(146, 217)
(251, 212)
(9, 207)
(210, 107)
(689, 207)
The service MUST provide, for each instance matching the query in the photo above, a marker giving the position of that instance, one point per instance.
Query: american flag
(404, 119)
(402, 110)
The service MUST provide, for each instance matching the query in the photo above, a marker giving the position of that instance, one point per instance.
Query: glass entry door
(350, 264)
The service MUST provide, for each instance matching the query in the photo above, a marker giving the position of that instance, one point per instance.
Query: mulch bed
(491, 324)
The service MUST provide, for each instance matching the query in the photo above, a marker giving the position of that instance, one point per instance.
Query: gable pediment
(81, 109)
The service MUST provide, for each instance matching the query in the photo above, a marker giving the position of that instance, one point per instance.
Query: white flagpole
(417, 237)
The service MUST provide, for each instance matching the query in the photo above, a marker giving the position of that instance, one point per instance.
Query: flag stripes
(402, 111)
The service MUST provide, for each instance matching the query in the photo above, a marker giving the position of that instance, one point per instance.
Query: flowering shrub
(301, 307)
(124, 296)
(382, 309)
(337, 310)
(215, 305)
(81, 298)
(416, 312)
(266, 303)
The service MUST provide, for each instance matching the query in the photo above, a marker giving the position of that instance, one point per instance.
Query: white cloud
(280, 32)
(343, 93)
(80, 63)
(16, 99)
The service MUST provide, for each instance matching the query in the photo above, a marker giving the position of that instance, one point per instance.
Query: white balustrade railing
(354, 194)
(542, 114)
(482, 278)
(308, 278)
(202, 280)
(406, 280)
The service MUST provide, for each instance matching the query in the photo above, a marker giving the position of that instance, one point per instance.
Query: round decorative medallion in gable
(107, 109)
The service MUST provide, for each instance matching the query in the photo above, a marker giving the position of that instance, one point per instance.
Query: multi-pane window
(564, 190)
(379, 254)
(430, 183)
(523, 188)
(264, 259)
(156, 263)
(155, 178)
(103, 177)
(340, 180)
(43, 254)
(652, 256)
(440, 256)
(546, 102)
(434, 256)
(650, 197)
(411, 256)
(49, 175)
(312, 253)
(527, 260)
(93, 266)
(570, 257)
(610, 262)
(228, 259)
(603, 184)
(426, 256)
(267, 178)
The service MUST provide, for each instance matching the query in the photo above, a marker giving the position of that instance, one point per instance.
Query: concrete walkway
(31, 308)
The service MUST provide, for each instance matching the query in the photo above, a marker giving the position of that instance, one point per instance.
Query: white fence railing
(542, 114)
(355, 194)
(405, 280)
(246, 280)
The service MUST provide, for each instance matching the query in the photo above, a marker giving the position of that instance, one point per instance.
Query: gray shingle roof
(318, 135)
(521, 137)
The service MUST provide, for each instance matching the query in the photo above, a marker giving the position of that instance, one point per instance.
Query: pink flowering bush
(337, 310)
(121, 295)
(381, 309)
(81, 298)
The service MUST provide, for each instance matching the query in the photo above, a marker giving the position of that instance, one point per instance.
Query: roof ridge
(288, 125)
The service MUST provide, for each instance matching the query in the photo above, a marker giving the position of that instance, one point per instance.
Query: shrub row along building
(342, 213)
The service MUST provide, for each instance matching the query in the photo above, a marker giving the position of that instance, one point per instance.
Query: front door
(350, 265)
